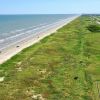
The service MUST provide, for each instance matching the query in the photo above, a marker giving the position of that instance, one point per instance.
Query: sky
(49, 6)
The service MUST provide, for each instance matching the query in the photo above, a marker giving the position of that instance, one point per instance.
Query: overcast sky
(49, 6)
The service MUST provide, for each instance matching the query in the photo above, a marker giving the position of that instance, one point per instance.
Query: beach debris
(17, 46)
(30, 92)
(81, 62)
(34, 95)
(43, 71)
(98, 22)
(75, 78)
(37, 36)
(2, 79)
(37, 97)
(19, 63)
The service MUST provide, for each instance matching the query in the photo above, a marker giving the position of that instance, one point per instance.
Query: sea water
(15, 27)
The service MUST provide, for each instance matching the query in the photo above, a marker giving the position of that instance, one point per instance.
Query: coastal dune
(14, 48)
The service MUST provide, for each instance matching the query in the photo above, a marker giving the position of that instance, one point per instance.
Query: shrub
(94, 28)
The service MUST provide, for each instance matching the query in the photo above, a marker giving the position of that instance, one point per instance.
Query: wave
(36, 34)
(25, 28)
(2, 40)
(40, 26)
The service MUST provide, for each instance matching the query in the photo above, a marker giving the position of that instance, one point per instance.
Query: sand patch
(19, 69)
(2, 79)
(38, 97)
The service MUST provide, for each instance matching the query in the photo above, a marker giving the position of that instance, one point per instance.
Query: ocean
(15, 27)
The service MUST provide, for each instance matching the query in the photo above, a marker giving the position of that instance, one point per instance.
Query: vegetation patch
(62, 66)
(94, 28)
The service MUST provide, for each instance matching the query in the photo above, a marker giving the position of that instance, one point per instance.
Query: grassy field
(63, 66)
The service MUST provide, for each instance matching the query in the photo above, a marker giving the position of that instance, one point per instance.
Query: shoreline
(15, 48)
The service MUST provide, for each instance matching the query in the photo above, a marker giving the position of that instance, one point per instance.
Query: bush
(94, 28)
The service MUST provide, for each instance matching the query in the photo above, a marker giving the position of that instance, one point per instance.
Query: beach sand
(12, 50)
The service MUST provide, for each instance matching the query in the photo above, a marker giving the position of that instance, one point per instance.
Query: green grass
(49, 67)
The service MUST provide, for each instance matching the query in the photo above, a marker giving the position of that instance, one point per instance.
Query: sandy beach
(15, 48)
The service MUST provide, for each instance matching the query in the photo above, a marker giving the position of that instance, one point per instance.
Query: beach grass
(62, 66)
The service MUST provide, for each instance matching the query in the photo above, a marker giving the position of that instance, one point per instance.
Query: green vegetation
(94, 28)
(63, 66)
